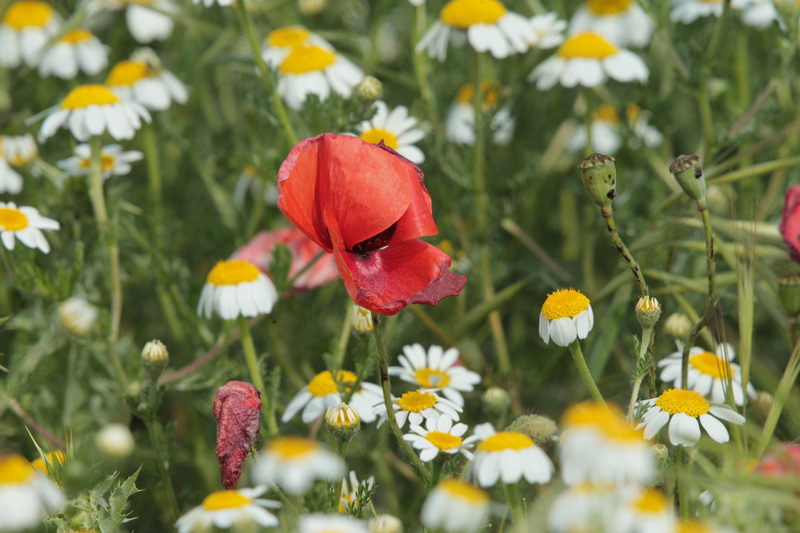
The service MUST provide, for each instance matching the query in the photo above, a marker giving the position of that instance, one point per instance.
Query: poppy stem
(255, 375)
(583, 370)
(419, 466)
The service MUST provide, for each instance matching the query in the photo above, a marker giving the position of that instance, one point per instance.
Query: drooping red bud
(237, 408)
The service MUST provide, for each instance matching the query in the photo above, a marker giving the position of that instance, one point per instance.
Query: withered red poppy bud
(790, 222)
(237, 409)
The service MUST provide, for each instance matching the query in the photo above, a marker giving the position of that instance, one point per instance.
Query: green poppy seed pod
(789, 293)
(687, 171)
(599, 175)
(648, 311)
(539, 428)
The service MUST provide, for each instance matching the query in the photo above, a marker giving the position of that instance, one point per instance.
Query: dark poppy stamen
(378, 241)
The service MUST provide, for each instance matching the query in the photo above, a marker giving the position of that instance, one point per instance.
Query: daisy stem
(377, 332)
(266, 75)
(583, 370)
(683, 496)
(587, 120)
(421, 66)
(785, 385)
(515, 503)
(342, 447)
(255, 375)
(643, 367)
(108, 237)
(154, 431)
(154, 180)
(704, 102)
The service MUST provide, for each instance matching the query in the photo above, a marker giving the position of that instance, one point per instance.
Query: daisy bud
(385, 523)
(539, 428)
(678, 325)
(311, 7)
(789, 293)
(361, 320)
(648, 310)
(599, 175)
(660, 453)
(342, 422)
(764, 401)
(370, 88)
(155, 358)
(77, 315)
(495, 401)
(687, 171)
(115, 440)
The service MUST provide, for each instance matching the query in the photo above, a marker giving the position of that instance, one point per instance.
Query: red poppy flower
(790, 222)
(367, 205)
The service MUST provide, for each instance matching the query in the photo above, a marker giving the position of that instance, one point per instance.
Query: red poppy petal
(790, 222)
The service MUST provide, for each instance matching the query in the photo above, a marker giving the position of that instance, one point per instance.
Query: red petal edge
(790, 222)
(237, 409)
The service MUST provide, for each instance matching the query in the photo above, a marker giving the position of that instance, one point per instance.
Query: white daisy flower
(77, 50)
(440, 435)
(234, 288)
(113, 161)
(623, 22)
(26, 496)
(295, 463)
(25, 28)
(315, 69)
(226, 509)
(698, 527)
(209, 3)
(25, 224)
(417, 406)
(18, 150)
(150, 20)
(643, 132)
(486, 24)
(683, 409)
(115, 441)
(90, 110)
(10, 180)
(280, 42)
(605, 133)
(759, 13)
(583, 507)
(588, 59)
(460, 121)
(456, 507)
(138, 81)
(323, 392)
(548, 30)
(349, 495)
(687, 11)
(330, 523)
(508, 456)
(708, 373)
(417, 2)
(396, 129)
(385, 523)
(566, 316)
(645, 511)
(436, 370)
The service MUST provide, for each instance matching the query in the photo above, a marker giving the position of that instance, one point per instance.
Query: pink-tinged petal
(790, 222)
(237, 408)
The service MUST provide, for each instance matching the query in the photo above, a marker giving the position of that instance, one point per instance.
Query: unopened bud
(370, 88)
(361, 320)
(495, 401)
(687, 171)
(660, 453)
(342, 422)
(385, 523)
(648, 311)
(77, 315)
(789, 293)
(155, 358)
(678, 325)
(310, 8)
(115, 440)
(599, 175)
(764, 401)
(539, 428)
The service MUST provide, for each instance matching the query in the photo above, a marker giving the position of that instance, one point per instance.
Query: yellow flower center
(688, 402)
(52, 458)
(288, 36)
(291, 447)
(224, 499)
(633, 111)
(376, 135)
(431, 379)
(307, 58)
(564, 303)
(591, 414)
(27, 14)
(416, 401)
(506, 440)
(608, 7)
(651, 501)
(607, 113)
(106, 162)
(86, 95)
(14, 469)
(233, 272)
(443, 441)
(693, 527)
(76, 36)
(586, 45)
(490, 91)
(465, 13)
(324, 384)
(128, 73)
(622, 432)
(464, 490)
(709, 363)
(12, 219)
(344, 503)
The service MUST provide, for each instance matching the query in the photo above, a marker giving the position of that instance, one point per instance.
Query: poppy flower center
(374, 243)
(464, 490)
(106, 162)
(12, 219)
(76, 36)
(376, 135)
(465, 13)
(688, 402)
(416, 401)
(224, 499)
(431, 378)
(86, 95)
(608, 7)
(586, 45)
(14, 469)
(307, 58)
(651, 502)
(128, 73)
(564, 303)
(324, 384)
(233, 272)
(607, 113)
(291, 447)
(27, 14)
(506, 440)
(288, 36)
(52, 458)
(444, 441)
(708, 363)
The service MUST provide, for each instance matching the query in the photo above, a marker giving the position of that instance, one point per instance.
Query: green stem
(150, 146)
(785, 385)
(642, 368)
(583, 370)
(608, 214)
(342, 448)
(154, 431)
(704, 101)
(383, 367)
(255, 375)
(587, 120)
(512, 493)
(436, 471)
(683, 496)
(421, 67)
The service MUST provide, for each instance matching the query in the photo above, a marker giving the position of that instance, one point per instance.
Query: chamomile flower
(548, 30)
(623, 22)
(78, 50)
(229, 508)
(440, 435)
(436, 370)
(566, 316)
(708, 373)
(759, 13)
(486, 24)
(113, 161)
(508, 456)
(315, 69)
(417, 406)
(330, 523)
(25, 28)
(396, 129)
(18, 150)
(26, 496)
(645, 511)
(350, 491)
(234, 288)
(150, 20)
(295, 463)
(687, 11)
(686, 411)
(690, 526)
(90, 110)
(361, 320)
(605, 133)
(588, 59)
(10, 180)
(152, 87)
(25, 224)
(460, 122)
(280, 42)
(583, 507)
(323, 392)
(456, 507)
(50, 459)
(643, 131)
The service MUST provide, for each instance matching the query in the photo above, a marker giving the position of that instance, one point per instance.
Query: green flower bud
(539, 428)
(678, 325)
(599, 175)
(495, 401)
(648, 311)
(311, 7)
(155, 358)
(687, 171)
(789, 293)
(369, 89)
(342, 422)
